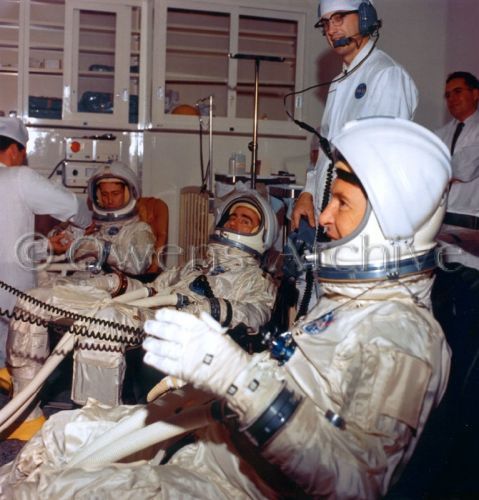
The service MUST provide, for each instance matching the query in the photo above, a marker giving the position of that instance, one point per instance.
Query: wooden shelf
(268, 35)
(190, 51)
(263, 83)
(8, 23)
(83, 49)
(245, 33)
(180, 78)
(197, 30)
(8, 44)
(45, 71)
(52, 25)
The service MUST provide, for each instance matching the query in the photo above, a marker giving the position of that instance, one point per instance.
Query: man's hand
(303, 207)
(193, 349)
(60, 242)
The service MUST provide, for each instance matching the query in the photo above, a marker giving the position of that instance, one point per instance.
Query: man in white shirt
(371, 83)
(461, 135)
(24, 193)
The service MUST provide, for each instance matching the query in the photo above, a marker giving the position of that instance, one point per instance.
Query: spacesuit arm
(343, 434)
(230, 313)
(133, 250)
(251, 303)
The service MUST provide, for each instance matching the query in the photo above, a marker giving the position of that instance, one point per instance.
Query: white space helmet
(404, 170)
(114, 172)
(262, 236)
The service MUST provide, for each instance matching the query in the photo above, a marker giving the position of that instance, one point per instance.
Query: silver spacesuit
(117, 238)
(340, 414)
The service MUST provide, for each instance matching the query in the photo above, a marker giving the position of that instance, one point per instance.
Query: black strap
(229, 313)
(456, 135)
(274, 418)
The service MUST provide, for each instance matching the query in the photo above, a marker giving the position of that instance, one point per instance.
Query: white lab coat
(378, 87)
(381, 363)
(24, 193)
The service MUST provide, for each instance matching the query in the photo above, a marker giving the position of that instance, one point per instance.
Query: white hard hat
(404, 170)
(114, 172)
(327, 6)
(13, 128)
(262, 238)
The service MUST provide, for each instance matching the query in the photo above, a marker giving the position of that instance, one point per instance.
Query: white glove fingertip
(211, 323)
(152, 327)
(153, 360)
(180, 318)
(149, 344)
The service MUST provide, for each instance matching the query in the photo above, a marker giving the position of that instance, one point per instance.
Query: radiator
(195, 223)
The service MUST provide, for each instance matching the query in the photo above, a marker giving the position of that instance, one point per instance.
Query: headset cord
(309, 277)
(323, 142)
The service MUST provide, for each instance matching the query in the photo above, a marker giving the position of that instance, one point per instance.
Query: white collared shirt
(464, 196)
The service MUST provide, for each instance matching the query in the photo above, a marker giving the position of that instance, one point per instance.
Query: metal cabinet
(81, 62)
(193, 47)
(131, 64)
(10, 14)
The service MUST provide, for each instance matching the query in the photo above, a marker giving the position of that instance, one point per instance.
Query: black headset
(368, 19)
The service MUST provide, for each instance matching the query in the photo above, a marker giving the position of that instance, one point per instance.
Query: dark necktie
(457, 133)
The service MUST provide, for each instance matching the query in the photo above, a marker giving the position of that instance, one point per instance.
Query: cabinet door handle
(159, 93)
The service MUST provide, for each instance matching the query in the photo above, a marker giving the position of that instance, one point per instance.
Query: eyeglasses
(335, 19)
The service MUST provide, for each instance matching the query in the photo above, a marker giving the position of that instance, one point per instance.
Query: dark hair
(471, 81)
(350, 177)
(6, 142)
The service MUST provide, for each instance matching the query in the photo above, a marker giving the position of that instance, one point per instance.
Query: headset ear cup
(368, 19)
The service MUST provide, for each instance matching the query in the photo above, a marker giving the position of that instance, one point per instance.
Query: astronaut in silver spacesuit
(117, 238)
(335, 413)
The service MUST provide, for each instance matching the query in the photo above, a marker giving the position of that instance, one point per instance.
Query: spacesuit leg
(27, 350)
(27, 344)
(99, 360)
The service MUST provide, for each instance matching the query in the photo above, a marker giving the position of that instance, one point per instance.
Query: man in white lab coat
(371, 84)
(24, 193)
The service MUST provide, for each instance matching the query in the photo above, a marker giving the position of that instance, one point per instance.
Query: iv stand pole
(211, 176)
(210, 172)
(253, 145)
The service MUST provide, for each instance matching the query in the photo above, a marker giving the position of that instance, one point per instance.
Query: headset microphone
(342, 42)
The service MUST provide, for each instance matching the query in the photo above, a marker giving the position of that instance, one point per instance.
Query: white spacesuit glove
(197, 350)
(193, 349)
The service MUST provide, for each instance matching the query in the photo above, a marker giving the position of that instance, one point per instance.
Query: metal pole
(211, 176)
(254, 144)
